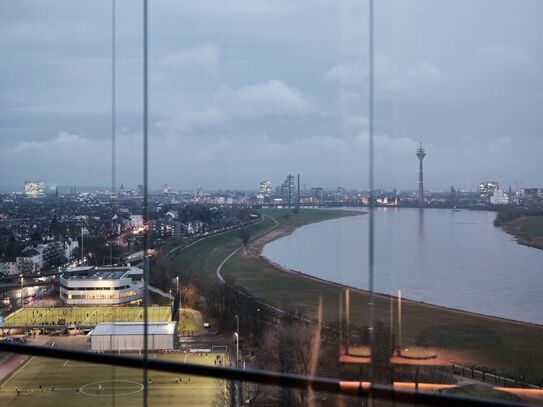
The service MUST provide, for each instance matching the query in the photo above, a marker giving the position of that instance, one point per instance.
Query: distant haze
(242, 91)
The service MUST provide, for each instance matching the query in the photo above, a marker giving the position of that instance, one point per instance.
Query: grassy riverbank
(205, 255)
(497, 343)
(528, 230)
(504, 345)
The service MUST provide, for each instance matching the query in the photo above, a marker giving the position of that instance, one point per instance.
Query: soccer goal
(219, 348)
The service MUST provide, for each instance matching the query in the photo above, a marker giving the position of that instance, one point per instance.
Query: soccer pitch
(70, 383)
(84, 315)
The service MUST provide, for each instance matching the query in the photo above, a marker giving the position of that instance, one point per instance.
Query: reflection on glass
(201, 194)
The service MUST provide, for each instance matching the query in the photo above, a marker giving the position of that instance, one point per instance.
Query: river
(455, 259)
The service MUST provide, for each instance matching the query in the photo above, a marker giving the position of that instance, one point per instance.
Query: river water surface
(439, 256)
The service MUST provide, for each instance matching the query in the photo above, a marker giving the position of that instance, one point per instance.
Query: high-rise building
(486, 190)
(421, 154)
(499, 197)
(266, 188)
(34, 188)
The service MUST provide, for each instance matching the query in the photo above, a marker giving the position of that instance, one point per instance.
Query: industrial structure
(421, 154)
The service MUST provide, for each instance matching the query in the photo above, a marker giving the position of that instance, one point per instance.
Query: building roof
(98, 273)
(134, 328)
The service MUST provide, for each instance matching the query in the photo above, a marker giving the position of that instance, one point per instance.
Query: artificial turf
(70, 383)
(84, 315)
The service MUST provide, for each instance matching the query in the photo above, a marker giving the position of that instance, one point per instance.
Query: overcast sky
(242, 91)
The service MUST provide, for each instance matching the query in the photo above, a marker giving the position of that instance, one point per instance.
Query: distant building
(499, 198)
(317, 194)
(30, 261)
(101, 285)
(266, 188)
(486, 190)
(453, 196)
(9, 268)
(34, 189)
(287, 189)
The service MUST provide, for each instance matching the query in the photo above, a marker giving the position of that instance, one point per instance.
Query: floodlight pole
(236, 335)
(22, 279)
(237, 339)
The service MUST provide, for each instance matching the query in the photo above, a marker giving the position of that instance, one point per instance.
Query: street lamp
(22, 290)
(237, 339)
(236, 335)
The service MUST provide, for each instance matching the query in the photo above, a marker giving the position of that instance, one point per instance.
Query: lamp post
(22, 290)
(237, 339)
(236, 335)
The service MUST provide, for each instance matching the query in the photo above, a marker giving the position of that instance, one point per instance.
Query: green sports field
(70, 383)
(84, 315)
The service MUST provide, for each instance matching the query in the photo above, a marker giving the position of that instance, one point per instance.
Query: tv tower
(421, 154)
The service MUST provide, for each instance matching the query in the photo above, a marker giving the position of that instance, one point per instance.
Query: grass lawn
(77, 383)
(205, 255)
(531, 226)
(187, 322)
(84, 315)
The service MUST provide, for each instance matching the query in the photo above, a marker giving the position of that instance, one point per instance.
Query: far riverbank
(527, 230)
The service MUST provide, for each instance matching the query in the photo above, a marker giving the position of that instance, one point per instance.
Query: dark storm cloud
(243, 90)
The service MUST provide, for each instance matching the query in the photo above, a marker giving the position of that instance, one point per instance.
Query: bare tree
(290, 348)
(245, 236)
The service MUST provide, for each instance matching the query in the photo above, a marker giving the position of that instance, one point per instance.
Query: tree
(189, 294)
(287, 347)
(245, 236)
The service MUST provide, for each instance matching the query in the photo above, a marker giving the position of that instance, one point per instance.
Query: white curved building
(101, 285)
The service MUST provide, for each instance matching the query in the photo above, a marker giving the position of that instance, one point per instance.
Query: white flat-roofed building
(101, 285)
(128, 336)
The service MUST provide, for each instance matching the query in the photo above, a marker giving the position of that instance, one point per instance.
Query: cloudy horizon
(247, 91)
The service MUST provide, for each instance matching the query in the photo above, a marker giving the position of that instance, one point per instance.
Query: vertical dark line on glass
(113, 100)
(113, 145)
(371, 249)
(145, 210)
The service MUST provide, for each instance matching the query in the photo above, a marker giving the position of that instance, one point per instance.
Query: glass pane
(300, 156)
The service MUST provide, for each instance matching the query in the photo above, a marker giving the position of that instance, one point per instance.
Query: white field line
(95, 311)
(18, 370)
(68, 364)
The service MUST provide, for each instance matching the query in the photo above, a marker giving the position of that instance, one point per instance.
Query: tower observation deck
(421, 153)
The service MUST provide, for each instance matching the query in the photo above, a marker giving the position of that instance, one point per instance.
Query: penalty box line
(68, 364)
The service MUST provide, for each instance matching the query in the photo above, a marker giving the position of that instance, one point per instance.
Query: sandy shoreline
(255, 248)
